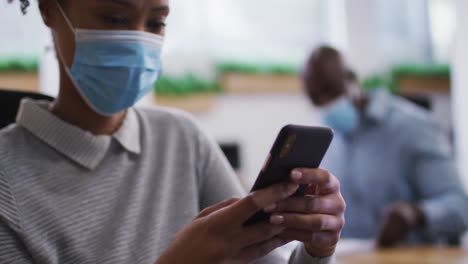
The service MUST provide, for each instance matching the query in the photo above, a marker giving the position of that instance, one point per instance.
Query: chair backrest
(10, 101)
(421, 101)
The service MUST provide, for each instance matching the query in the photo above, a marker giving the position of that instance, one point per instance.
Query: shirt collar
(129, 134)
(78, 145)
(379, 106)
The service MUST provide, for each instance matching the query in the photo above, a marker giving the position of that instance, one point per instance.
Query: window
(22, 36)
(443, 23)
(416, 30)
(261, 30)
(403, 30)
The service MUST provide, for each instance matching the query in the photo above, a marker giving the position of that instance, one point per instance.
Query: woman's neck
(71, 108)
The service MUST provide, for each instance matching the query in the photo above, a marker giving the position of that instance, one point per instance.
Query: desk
(407, 256)
(21, 81)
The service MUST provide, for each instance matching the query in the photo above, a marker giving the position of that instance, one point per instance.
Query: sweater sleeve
(12, 250)
(218, 180)
(300, 256)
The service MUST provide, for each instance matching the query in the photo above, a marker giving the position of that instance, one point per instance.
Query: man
(395, 166)
(89, 178)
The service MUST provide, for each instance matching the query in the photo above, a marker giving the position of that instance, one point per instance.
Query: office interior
(236, 66)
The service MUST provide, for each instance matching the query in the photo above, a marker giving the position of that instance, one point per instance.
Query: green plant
(256, 68)
(19, 64)
(421, 70)
(390, 80)
(376, 81)
(185, 85)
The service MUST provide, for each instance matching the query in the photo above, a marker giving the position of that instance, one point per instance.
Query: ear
(47, 9)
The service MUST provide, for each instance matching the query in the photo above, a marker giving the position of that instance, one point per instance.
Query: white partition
(460, 89)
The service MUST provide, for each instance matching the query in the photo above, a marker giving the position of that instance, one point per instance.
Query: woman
(90, 179)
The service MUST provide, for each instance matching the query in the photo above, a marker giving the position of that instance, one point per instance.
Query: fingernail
(276, 219)
(296, 175)
(270, 208)
(292, 188)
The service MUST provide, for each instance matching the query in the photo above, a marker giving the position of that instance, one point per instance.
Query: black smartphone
(295, 147)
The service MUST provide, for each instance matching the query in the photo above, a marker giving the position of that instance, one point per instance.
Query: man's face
(325, 77)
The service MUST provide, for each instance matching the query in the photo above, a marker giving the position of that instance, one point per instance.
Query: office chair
(10, 101)
(420, 100)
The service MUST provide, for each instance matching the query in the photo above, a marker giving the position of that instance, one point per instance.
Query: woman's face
(141, 15)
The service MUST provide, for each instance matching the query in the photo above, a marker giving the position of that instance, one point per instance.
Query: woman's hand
(316, 218)
(217, 235)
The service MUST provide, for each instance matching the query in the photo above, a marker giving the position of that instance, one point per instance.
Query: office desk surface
(408, 255)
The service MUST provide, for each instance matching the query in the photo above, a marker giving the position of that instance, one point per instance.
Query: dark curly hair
(24, 5)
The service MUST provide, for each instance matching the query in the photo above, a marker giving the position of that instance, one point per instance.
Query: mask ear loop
(59, 6)
(65, 17)
(57, 47)
(61, 58)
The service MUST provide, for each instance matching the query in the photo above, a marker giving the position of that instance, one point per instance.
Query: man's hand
(217, 235)
(315, 219)
(399, 219)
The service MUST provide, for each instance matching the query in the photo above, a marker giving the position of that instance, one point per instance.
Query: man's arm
(441, 206)
(443, 201)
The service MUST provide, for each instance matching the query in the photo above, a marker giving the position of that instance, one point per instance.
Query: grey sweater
(67, 196)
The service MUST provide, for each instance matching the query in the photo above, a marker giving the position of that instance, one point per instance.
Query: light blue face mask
(341, 115)
(113, 69)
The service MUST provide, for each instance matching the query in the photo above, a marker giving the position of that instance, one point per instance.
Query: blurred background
(236, 64)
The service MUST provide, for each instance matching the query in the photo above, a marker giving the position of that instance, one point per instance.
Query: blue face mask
(113, 69)
(341, 115)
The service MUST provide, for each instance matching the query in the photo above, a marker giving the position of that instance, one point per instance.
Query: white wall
(253, 122)
(337, 29)
(363, 53)
(382, 32)
(21, 35)
(460, 89)
(207, 31)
